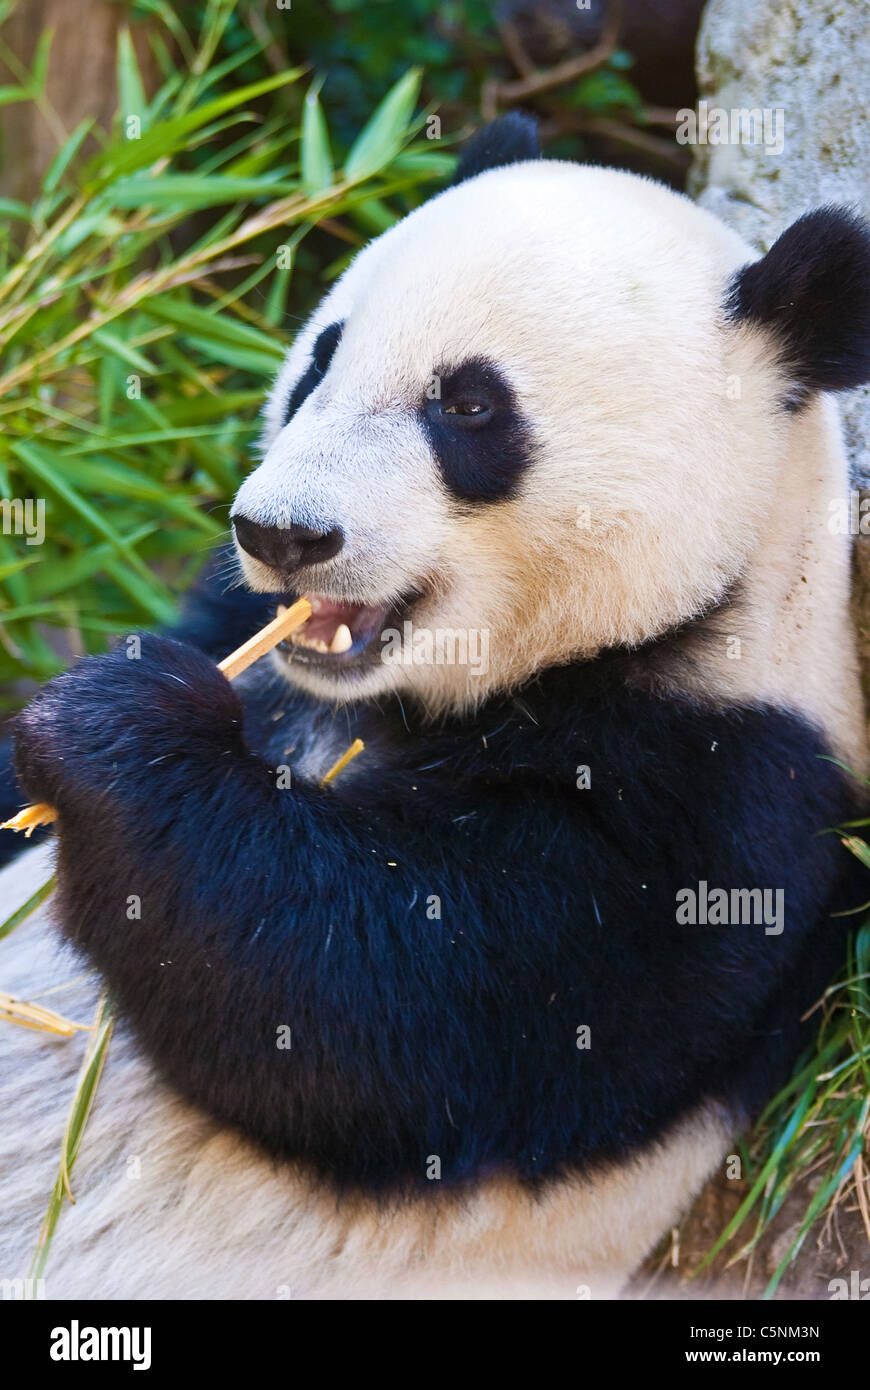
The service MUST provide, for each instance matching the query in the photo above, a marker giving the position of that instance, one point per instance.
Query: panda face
(523, 418)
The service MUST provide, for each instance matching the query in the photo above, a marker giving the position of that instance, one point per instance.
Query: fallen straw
(341, 763)
(233, 665)
(29, 1015)
(30, 818)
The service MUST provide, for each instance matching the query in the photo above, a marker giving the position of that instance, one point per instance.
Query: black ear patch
(509, 140)
(812, 290)
(321, 356)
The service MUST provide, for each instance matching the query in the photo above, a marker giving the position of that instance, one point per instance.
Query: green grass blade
(859, 848)
(83, 1099)
(22, 913)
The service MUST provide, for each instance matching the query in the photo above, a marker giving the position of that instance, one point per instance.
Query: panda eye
(469, 413)
(478, 438)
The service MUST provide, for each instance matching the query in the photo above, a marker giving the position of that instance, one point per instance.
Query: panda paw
(106, 720)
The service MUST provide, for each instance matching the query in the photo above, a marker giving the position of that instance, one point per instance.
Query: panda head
(545, 414)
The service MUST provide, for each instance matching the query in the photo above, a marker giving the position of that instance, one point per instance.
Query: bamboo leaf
(164, 138)
(10, 208)
(316, 155)
(39, 71)
(383, 134)
(213, 327)
(9, 95)
(147, 591)
(132, 100)
(65, 155)
(188, 192)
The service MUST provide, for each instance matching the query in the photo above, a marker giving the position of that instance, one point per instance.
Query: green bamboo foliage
(143, 314)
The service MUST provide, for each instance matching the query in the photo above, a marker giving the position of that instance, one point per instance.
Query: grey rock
(812, 61)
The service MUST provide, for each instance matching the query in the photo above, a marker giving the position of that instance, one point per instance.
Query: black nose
(287, 548)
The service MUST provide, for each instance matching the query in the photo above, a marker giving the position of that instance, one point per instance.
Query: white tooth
(282, 608)
(343, 640)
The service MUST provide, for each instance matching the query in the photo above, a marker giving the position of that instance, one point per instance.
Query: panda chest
(307, 743)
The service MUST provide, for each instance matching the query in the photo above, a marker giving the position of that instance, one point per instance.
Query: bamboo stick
(264, 640)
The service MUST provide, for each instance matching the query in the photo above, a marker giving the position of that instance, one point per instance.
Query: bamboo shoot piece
(264, 640)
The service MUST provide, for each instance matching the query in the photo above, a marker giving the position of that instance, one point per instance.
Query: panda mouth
(340, 636)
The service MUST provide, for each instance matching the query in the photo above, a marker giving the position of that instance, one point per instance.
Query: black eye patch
(475, 430)
(321, 356)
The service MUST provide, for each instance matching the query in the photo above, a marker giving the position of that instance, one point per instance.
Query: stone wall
(812, 60)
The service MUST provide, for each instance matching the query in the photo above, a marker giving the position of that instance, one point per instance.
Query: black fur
(812, 290)
(321, 356)
(482, 458)
(511, 139)
(311, 908)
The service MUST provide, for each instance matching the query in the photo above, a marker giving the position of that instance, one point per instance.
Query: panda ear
(812, 291)
(509, 140)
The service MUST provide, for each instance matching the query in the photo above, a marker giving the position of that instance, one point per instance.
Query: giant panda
(450, 1027)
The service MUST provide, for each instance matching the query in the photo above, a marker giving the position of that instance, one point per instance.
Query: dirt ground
(828, 1252)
